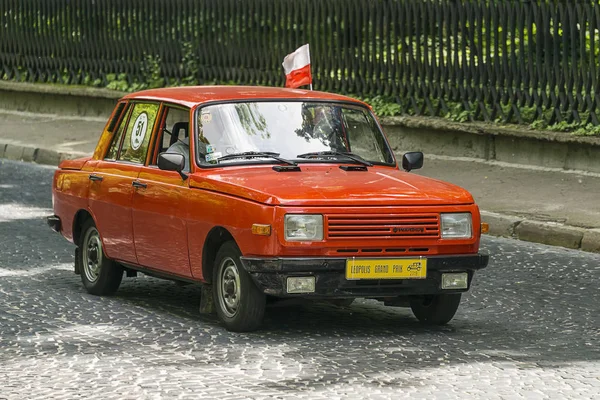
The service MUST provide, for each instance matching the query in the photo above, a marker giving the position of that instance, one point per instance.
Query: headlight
(303, 227)
(456, 226)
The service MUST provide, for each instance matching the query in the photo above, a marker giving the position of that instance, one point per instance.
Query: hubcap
(229, 287)
(92, 255)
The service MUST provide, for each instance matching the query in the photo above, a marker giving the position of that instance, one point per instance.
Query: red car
(256, 192)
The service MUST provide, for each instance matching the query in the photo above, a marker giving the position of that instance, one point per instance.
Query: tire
(100, 275)
(239, 304)
(437, 309)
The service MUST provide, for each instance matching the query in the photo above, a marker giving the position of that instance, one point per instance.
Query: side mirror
(172, 162)
(412, 160)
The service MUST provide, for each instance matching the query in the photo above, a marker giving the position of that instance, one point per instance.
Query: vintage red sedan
(259, 192)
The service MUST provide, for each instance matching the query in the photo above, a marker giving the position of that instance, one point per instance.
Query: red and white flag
(297, 68)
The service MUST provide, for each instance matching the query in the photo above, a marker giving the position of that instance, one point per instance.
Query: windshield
(288, 130)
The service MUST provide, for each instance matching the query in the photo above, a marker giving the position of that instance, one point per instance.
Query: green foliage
(384, 106)
(539, 124)
(528, 113)
(457, 113)
(564, 126)
(152, 72)
(189, 65)
(575, 128)
(588, 130)
(117, 82)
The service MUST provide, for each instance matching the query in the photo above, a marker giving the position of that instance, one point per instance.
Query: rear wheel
(238, 302)
(99, 274)
(437, 309)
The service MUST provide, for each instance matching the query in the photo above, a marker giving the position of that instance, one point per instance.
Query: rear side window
(138, 133)
(113, 122)
(118, 136)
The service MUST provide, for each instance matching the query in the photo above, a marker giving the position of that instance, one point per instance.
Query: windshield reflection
(288, 129)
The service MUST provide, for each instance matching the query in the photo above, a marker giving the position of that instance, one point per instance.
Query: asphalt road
(529, 328)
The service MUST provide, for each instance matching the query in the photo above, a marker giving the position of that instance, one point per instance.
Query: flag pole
(308, 45)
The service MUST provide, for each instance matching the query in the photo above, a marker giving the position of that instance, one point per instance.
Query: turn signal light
(261, 229)
(485, 227)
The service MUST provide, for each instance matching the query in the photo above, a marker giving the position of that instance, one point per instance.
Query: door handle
(138, 185)
(96, 178)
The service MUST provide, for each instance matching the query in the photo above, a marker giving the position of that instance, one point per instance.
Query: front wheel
(238, 302)
(436, 309)
(99, 274)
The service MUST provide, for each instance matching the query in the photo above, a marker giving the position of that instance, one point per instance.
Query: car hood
(329, 185)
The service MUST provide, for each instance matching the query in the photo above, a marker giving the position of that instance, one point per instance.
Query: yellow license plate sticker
(401, 268)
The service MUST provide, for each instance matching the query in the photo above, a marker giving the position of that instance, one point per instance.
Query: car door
(159, 203)
(113, 178)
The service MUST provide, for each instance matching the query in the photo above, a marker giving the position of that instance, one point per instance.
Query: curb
(63, 90)
(513, 145)
(544, 232)
(487, 128)
(16, 152)
(58, 99)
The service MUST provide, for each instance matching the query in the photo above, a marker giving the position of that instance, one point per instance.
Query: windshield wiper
(350, 156)
(257, 154)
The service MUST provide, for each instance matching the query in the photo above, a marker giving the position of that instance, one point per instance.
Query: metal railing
(506, 60)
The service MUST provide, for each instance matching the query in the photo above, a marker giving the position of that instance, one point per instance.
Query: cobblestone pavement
(530, 328)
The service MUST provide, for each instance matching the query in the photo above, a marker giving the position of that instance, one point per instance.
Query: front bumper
(270, 275)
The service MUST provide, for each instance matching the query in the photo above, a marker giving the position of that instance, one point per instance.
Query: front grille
(383, 226)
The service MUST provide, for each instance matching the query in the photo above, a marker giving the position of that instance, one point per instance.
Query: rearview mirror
(172, 162)
(412, 160)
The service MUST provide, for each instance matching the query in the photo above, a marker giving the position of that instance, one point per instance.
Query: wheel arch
(214, 240)
(81, 216)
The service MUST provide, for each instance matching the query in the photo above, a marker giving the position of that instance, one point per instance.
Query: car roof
(191, 96)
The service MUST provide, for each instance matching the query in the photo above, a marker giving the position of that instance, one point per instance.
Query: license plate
(401, 268)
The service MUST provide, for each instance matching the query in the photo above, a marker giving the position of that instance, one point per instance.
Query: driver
(326, 127)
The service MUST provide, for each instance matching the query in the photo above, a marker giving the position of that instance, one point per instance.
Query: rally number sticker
(140, 126)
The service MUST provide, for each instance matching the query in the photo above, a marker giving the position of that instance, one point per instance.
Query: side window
(174, 135)
(117, 137)
(138, 133)
(116, 117)
(177, 124)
